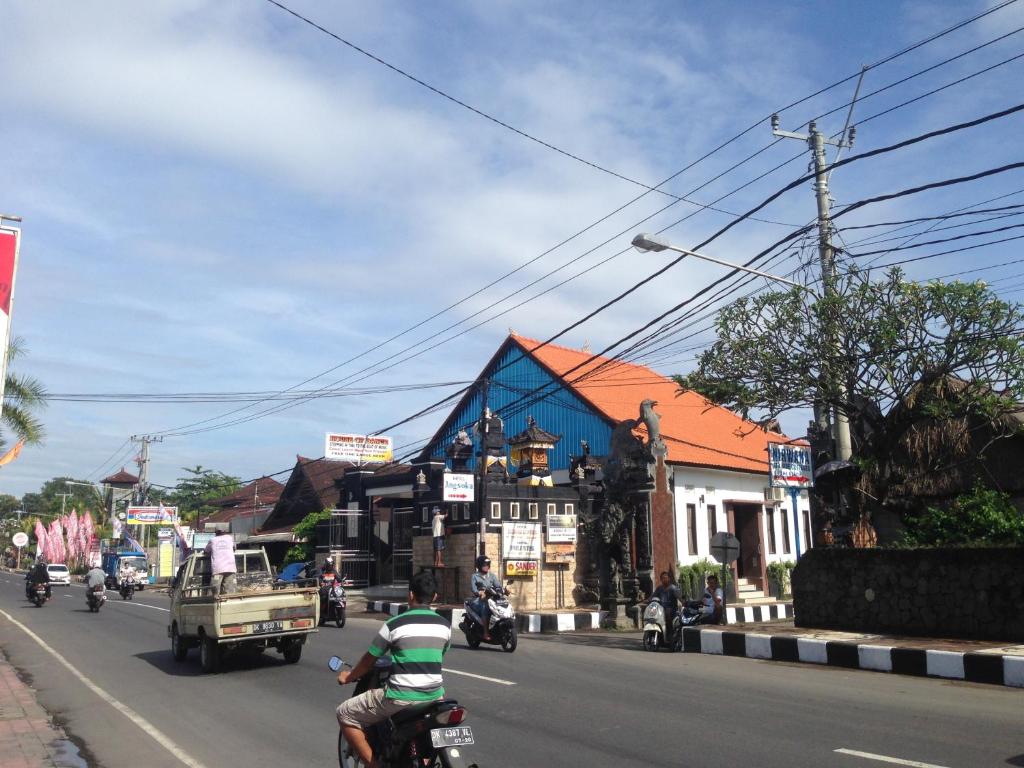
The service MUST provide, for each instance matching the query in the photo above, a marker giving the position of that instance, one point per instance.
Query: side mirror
(335, 663)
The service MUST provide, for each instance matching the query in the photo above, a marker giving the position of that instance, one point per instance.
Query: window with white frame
(534, 508)
(495, 510)
(426, 515)
(784, 516)
(691, 528)
(570, 509)
(552, 509)
(514, 510)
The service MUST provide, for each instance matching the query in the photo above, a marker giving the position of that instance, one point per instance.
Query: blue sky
(217, 197)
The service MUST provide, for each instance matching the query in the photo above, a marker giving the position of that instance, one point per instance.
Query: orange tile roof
(695, 430)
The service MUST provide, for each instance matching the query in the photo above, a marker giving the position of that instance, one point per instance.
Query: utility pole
(63, 501)
(817, 141)
(143, 493)
(481, 493)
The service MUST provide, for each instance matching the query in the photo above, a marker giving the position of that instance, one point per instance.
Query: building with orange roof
(717, 461)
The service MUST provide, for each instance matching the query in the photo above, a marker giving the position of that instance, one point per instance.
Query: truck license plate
(262, 627)
(451, 737)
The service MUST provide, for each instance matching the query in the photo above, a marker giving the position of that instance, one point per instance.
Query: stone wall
(975, 593)
(535, 593)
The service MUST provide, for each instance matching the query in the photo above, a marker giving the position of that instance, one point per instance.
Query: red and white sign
(458, 486)
(10, 243)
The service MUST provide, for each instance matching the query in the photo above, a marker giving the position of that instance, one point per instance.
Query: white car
(59, 573)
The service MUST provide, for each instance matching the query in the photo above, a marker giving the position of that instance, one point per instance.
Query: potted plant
(779, 579)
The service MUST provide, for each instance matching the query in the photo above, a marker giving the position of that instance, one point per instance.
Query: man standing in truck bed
(221, 551)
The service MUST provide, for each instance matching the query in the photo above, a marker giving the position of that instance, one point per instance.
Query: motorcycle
(95, 597)
(431, 735)
(333, 601)
(127, 589)
(503, 622)
(37, 594)
(655, 634)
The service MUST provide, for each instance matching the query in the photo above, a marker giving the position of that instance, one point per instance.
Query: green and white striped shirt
(417, 641)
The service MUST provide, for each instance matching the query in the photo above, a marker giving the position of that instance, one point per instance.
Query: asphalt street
(581, 700)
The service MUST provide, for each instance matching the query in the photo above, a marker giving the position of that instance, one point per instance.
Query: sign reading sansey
(359, 449)
(790, 466)
(458, 486)
(151, 515)
(520, 541)
(561, 529)
(520, 567)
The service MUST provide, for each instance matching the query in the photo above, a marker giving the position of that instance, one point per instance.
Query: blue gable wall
(513, 375)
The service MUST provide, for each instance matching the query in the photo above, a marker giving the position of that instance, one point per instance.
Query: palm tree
(23, 397)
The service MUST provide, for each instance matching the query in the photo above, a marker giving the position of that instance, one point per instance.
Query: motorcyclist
(480, 582)
(126, 575)
(96, 577)
(668, 595)
(38, 575)
(328, 569)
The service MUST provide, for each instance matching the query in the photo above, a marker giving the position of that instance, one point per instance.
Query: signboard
(526, 568)
(560, 554)
(358, 449)
(520, 541)
(166, 567)
(165, 533)
(151, 515)
(201, 538)
(561, 529)
(790, 466)
(458, 486)
(725, 547)
(20, 539)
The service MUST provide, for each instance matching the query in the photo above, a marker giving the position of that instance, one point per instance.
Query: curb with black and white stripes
(974, 667)
(746, 614)
(526, 623)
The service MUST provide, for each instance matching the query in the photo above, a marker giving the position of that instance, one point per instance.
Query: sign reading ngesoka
(358, 449)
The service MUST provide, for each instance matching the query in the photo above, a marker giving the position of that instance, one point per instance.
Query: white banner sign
(561, 529)
(521, 541)
(358, 449)
(458, 486)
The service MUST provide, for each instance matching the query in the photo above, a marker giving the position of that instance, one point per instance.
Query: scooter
(503, 622)
(37, 594)
(127, 589)
(433, 734)
(655, 635)
(95, 597)
(333, 601)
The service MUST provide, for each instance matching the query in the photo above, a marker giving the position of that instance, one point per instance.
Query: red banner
(8, 250)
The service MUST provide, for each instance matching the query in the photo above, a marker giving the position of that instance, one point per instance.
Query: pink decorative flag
(71, 531)
(59, 552)
(40, 532)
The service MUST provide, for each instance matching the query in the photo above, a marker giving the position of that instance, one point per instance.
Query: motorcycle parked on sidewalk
(656, 634)
(432, 735)
(127, 589)
(502, 622)
(333, 600)
(95, 597)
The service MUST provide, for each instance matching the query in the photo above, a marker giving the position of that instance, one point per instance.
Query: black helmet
(482, 561)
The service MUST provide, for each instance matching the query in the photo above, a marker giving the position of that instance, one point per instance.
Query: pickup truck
(262, 613)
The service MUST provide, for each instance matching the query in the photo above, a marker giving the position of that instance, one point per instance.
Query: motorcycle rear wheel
(650, 640)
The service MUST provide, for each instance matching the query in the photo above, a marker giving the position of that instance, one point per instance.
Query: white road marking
(497, 680)
(141, 605)
(158, 735)
(886, 759)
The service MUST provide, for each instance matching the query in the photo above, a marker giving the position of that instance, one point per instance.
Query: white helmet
(329, 560)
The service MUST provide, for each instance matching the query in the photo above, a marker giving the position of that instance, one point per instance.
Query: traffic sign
(725, 547)
(20, 539)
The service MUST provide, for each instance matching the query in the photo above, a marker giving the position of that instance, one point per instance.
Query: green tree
(897, 346)
(24, 397)
(199, 486)
(8, 504)
(983, 516)
(49, 501)
(305, 532)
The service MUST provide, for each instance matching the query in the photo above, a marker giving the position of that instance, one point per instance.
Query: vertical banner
(10, 242)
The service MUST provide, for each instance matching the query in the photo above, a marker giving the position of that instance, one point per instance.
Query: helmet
(482, 561)
(329, 561)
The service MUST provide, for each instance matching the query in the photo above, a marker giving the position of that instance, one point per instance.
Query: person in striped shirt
(417, 641)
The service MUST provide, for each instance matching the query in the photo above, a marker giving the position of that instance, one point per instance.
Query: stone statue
(652, 421)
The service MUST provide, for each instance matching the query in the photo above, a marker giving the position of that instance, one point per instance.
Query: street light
(645, 242)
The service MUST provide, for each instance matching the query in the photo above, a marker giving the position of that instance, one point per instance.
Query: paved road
(584, 700)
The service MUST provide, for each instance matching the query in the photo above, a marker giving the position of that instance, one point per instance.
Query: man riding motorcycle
(669, 596)
(480, 582)
(38, 575)
(417, 641)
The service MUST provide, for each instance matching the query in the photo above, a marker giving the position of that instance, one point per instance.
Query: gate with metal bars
(346, 534)
(401, 545)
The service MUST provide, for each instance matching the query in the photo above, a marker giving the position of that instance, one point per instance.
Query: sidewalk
(28, 739)
(971, 660)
